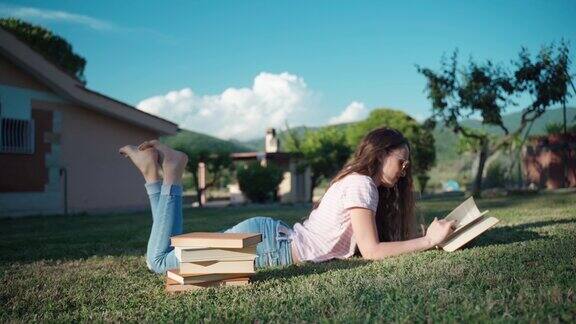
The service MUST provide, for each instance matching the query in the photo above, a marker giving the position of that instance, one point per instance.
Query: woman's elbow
(368, 253)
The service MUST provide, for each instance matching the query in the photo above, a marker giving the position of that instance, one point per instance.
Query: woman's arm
(365, 232)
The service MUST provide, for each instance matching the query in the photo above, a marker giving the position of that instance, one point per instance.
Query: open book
(470, 223)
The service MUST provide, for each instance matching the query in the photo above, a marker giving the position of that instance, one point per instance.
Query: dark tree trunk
(483, 155)
(198, 195)
(313, 184)
(422, 181)
(565, 149)
(196, 183)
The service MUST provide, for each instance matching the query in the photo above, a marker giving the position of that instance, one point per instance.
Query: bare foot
(173, 162)
(146, 161)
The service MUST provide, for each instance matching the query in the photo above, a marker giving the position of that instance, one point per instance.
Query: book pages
(186, 254)
(467, 235)
(466, 213)
(217, 267)
(215, 240)
(173, 286)
(175, 275)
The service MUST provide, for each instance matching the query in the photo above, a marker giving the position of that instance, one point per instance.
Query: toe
(123, 150)
(149, 144)
(144, 145)
(153, 143)
(127, 150)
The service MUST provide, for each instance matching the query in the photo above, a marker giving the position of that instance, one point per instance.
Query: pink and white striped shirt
(327, 232)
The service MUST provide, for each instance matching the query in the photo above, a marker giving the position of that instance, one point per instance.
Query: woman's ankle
(168, 182)
(172, 189)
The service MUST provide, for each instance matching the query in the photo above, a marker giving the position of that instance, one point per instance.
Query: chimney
(272, 143)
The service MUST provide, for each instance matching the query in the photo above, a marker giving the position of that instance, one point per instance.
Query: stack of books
(212, 259)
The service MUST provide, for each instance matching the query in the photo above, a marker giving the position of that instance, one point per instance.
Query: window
(17, 136)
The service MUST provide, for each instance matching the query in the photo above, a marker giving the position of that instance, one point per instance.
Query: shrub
(259, 183)
(422, 181)
(558, 128)
(495, 175)
(188, 182)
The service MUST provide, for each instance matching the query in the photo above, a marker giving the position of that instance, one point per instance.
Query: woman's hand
(439, 230)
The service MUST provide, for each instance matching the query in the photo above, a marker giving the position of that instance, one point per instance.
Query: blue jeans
(166, 206)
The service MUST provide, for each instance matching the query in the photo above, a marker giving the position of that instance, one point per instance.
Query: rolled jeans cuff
(153, 187)
(171, 190)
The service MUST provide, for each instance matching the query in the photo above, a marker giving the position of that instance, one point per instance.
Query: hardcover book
(470, 223)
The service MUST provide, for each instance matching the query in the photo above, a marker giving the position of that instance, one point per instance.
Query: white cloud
(39, 14)
(239, 113)
(419, 117)
(354, 112)
(56, 15)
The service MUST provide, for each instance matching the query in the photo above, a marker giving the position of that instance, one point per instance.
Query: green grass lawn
(84, 268)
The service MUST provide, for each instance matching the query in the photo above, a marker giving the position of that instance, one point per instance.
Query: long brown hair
(395, 215)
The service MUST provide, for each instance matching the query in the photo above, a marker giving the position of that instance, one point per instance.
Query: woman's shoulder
(360, 191)
(359, 178)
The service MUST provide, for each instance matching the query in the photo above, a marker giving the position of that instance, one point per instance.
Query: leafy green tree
(324, 150)
(259, 183)
(217, 160)
(474, 144)
(558, 128)
(487, 90)
(419, 135)
(495, 175)
(53, 47)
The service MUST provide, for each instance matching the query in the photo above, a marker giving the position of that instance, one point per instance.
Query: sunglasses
(404, 162)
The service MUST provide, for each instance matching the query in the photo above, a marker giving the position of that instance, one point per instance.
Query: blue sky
(233, 68)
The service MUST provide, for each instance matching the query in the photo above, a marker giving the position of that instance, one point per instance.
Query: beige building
(295, 186)
(59, 140)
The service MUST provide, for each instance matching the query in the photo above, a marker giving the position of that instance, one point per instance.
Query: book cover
(195, 278)
(197, 254)
(173, 286)
(470, 223)
(216, 240)
(244, 266)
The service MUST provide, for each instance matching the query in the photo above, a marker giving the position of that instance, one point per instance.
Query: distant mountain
(446, 141)
(202, 141)
(257, 144)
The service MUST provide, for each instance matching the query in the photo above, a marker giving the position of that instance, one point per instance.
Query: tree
(217, 160)
(324, 150)
(259, 183)
(558, 128)
(53, 47)
(420, 137)
(487, 90)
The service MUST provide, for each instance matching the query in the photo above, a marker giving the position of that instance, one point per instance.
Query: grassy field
(85, 268)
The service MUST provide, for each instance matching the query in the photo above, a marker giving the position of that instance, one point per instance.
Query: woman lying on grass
(368, 208)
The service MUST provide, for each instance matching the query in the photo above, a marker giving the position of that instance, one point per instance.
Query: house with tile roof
(59, 140)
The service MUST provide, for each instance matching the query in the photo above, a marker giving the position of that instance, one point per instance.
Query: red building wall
(544, 161)
(27, 172)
